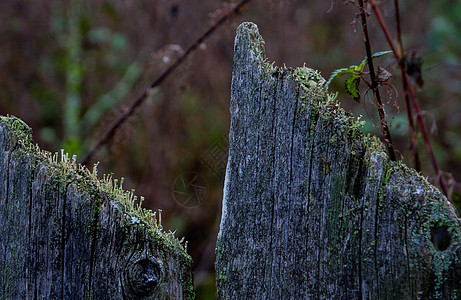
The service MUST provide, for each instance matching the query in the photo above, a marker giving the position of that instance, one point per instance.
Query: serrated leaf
(375, 55)
(340, 72)
(381, 53)
(354, 69)
(352, 86)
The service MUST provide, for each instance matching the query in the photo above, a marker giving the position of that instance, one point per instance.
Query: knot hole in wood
(144, 276)
(441, 238)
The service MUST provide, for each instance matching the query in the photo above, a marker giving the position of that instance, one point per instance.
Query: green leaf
(354, 69)
(352, 86)
(376, 55)
(340, 72)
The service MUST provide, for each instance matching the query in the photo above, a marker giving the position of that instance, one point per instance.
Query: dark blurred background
(68, 68)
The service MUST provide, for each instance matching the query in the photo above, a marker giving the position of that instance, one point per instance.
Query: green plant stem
(374, 85)
(414, 100)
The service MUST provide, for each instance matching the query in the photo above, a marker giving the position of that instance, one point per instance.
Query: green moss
(222, 274)
(65, 169)
(21, 130)
(313, 90)
(430, 210)
(312, 85)
(257, 42)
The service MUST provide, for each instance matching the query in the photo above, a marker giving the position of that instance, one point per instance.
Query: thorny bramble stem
(412, 95)
(374, 85)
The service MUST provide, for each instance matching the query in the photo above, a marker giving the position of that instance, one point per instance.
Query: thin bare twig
(413, 98)
(111, 130)
(427, 142)
(402, 65)
(411, 125)
(399, 30)
(374, 85)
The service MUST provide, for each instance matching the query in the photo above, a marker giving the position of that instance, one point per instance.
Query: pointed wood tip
(249, 45)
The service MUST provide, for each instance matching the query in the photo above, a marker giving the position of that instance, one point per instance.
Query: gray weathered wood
(313, 208)
(62, 237)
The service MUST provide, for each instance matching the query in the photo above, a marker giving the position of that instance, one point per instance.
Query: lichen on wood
(65, 233)
(314, 208)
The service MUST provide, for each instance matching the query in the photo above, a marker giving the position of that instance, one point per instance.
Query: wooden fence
(65, 234)
(313, 208)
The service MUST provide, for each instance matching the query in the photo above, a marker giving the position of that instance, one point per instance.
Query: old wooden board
(313, 208)
(65, 234)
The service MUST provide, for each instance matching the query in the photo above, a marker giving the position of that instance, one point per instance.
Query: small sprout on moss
(160, 218)
(94, 173)
(359, 122)
(388, 175)
(332, 97)
(74, 162)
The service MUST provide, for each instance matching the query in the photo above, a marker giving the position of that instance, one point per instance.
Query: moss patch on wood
(66, 169)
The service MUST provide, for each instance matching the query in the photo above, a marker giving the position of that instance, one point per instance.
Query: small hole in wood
(441, 238)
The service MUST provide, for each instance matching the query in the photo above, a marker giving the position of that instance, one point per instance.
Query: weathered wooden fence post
(64, 234)
(313, 208)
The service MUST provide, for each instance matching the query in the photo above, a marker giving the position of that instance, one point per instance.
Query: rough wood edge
(394, 179)
(125, 204)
